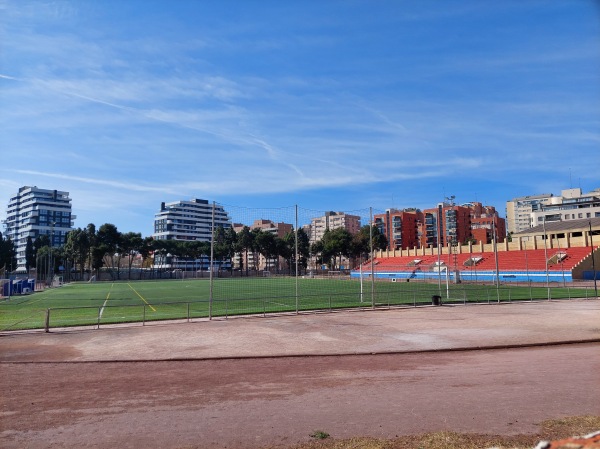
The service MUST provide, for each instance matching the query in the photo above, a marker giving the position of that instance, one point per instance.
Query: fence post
(464, 296)
(98, 326)
(144, 315)
(47, 323)
(330, 303)
(414, 298)
(264, 308)
(188, 312)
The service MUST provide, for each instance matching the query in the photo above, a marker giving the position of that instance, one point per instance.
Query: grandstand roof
(563, 226)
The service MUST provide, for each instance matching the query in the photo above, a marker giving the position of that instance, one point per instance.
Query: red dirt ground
(251, 403)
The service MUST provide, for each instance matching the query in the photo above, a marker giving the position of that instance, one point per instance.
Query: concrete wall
(518, 244)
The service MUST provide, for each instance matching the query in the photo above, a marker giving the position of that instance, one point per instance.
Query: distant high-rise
(572, 204)
(187, 221)
(331, 221)
(34, 212)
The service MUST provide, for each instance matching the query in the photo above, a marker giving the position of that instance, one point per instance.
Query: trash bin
(436, 300)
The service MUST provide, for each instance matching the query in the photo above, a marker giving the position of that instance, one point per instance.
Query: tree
(265, 244)
(145, 251)
(109, 241)
(77, 248)
(131, 244)
(245, 244)
(333, 245)
(8, 254)
(361, 242)
(29, 254)
(303, 250)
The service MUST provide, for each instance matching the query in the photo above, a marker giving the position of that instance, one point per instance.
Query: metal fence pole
(372, 254)
(47, 323)
(212, 253)
(99, 311)
(296, 255)
(188, 312)
(143, 314)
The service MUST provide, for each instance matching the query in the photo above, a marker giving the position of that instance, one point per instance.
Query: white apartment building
(331, 221)
(529, 211)
(572, 204)
(187, 220)
(33, 212)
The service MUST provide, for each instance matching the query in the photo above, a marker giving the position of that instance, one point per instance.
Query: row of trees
(89, 249)
(8, 255)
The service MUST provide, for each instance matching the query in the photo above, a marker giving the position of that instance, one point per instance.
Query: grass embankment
(549, 430)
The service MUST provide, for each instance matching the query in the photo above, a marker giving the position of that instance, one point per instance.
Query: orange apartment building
(446, 224)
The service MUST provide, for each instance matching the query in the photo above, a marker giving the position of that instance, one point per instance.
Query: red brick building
(399, 227)
(447, 224)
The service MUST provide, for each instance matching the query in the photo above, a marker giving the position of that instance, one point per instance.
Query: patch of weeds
(319, 435)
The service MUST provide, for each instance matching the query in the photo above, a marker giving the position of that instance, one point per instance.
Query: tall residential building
(446, 224)
(453, 224)
(528, 211)
(34, 212)
(399, 227)
(572, 204)
(518, 211)
(331, 221)
(187, 220)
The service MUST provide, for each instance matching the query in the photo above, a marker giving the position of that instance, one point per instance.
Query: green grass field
(137, 301)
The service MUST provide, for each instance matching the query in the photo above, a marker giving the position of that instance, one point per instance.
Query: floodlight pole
(546, 255)
(496, 257)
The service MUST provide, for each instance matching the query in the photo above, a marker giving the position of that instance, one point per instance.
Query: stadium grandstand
(553, 252)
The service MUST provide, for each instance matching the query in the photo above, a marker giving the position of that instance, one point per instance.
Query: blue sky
(331, 105)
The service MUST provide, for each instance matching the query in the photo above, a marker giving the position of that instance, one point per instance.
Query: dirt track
(254, 402)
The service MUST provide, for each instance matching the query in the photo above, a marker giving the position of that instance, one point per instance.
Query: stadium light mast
(496, 255)
(546, 255)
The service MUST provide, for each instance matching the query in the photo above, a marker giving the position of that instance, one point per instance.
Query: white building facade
(331, 221)
(188, 221)
(519, 210)
(572, 204)
(33, 212)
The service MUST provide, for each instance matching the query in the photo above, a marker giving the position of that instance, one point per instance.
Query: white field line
(107, 297)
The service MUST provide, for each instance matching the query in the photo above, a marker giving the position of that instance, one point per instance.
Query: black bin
(436, 300)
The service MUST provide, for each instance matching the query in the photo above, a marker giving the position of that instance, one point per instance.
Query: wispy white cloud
(204, 109)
